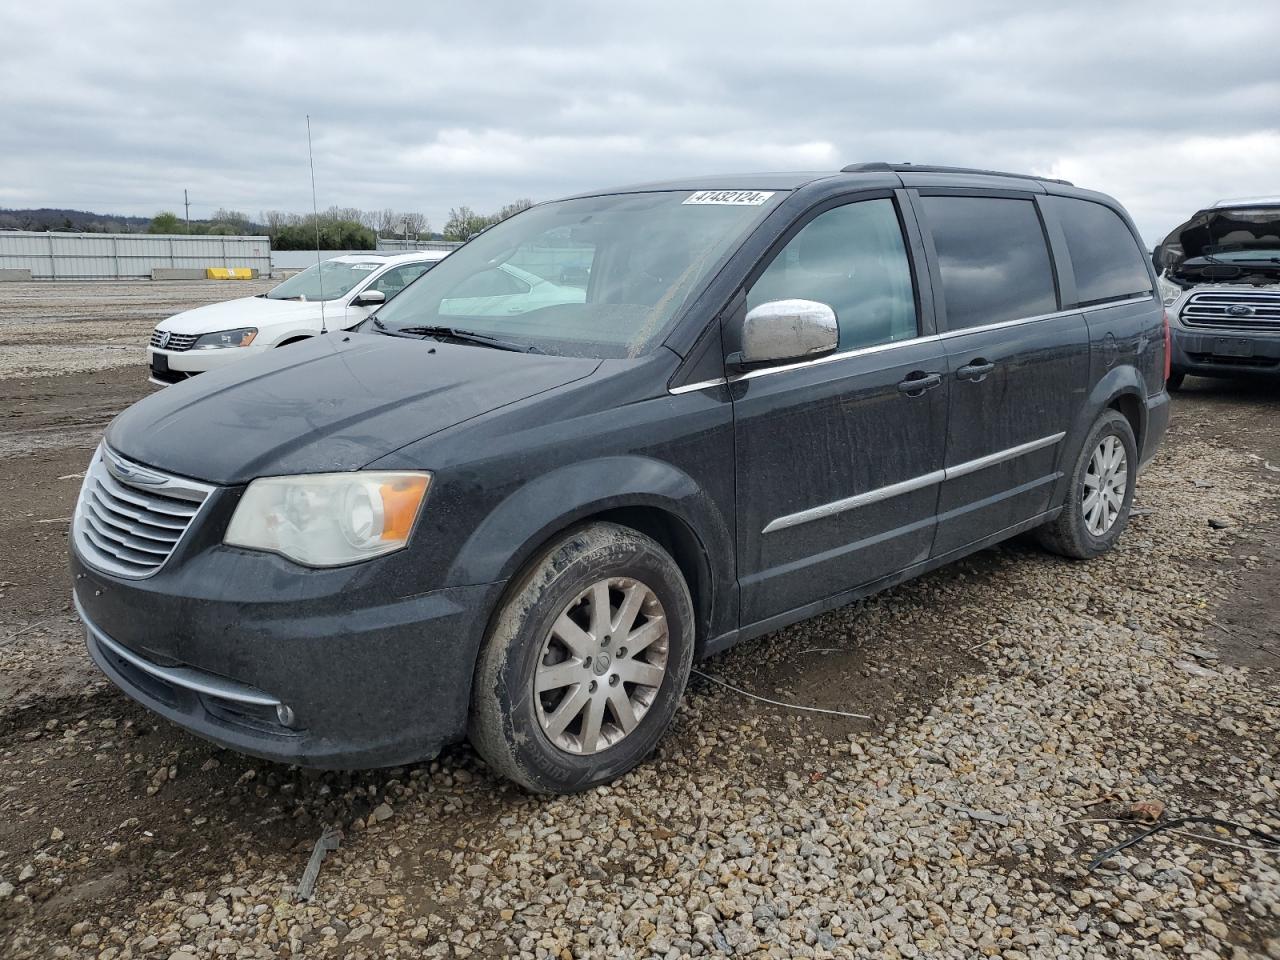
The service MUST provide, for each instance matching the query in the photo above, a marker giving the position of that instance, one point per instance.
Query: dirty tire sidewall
(1069, 535)
(504, 726)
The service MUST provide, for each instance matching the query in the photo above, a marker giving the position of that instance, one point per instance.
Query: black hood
(1251, 227)
(333, 403)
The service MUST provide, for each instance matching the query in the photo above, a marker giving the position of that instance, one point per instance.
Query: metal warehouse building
(125, 256)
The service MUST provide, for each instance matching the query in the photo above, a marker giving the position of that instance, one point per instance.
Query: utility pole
(187, 206)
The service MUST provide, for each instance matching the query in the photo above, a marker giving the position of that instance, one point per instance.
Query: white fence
(125, 256)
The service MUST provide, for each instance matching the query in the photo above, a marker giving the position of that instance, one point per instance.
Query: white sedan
(346, 288)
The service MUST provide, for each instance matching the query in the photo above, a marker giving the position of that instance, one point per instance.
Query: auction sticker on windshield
(749, 198)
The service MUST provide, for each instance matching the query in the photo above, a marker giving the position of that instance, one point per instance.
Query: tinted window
(853, 259)
(1107, 261)
(993, 258)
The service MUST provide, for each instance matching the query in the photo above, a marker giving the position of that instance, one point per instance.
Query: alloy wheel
(601, 665)
(1105, 482)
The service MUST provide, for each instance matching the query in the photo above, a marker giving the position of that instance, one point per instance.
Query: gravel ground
(1022, 704)
(50, 328)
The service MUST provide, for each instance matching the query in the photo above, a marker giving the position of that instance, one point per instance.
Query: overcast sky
(117, 107)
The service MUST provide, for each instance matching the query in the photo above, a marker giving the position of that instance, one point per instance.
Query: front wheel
(1099, 494)
(1174, 383)
(586, 663)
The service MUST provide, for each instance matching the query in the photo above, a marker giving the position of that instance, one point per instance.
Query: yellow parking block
(229, 273)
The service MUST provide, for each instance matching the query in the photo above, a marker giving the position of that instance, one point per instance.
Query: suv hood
(1221, 229)
(249, 312)
(333, 403)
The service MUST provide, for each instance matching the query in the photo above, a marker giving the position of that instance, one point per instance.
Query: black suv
(516, 510)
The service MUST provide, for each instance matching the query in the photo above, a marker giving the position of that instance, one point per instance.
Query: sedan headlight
(226, 338)
(328, 519)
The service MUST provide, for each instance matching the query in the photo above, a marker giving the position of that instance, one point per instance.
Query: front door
(1018, 367)
(839, 459)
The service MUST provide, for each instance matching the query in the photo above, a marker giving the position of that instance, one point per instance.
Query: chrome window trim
(910, 485)
(700, 385)
(188, 678)
(895, 344)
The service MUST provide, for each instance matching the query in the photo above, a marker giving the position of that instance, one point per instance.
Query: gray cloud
(118, 108)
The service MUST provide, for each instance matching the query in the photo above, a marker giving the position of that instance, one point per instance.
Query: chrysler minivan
(519, 519)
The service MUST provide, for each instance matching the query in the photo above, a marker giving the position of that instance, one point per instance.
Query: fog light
(284, 714)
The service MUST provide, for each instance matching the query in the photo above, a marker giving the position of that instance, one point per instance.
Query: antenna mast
(315, 216)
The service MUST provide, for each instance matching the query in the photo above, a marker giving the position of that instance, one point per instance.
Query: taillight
(1168, 348)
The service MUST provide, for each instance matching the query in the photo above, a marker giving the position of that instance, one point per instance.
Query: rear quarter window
(1105, 257)
(993, 259)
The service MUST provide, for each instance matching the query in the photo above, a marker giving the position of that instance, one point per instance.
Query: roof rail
(879, 166)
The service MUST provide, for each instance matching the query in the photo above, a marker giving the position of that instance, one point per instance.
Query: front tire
(1174, 383)
(1099, 494)
(586, 662)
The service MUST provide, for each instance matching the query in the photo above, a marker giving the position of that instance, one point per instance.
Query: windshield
(327, 280)
(594, 277)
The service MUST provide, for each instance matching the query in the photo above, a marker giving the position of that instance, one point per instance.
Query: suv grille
(129, 518)
(176, 341)
(1234, 310)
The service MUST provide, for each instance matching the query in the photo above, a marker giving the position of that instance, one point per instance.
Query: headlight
(328, 519)
(226, 338)
(1169, 291)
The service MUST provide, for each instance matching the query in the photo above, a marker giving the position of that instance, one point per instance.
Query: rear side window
(853, 259)
(1105, 257)
(993, 259)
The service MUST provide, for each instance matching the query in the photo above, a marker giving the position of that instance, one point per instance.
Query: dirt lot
(1021, 703)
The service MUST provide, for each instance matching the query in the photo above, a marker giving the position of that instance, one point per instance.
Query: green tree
(166, 222)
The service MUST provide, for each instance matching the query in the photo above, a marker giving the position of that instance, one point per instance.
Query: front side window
(594, 277)
(397, 278)
(328, 280)
(993, 258)
(852, 258)
(1105, 257)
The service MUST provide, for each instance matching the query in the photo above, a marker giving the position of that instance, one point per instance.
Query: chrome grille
(129, 518)
(1233, 309)
(176, 341)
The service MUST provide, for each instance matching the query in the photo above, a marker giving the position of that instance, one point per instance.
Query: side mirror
(369, 298)
(787, 330)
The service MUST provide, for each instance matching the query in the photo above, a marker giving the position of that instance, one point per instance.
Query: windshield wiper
(453, 333)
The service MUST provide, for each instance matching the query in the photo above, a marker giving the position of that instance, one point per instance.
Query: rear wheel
(586, 663)
(1099, 494)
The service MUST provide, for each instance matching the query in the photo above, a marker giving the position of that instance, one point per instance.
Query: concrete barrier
(177, 273)
(231, 273)
(14, 273)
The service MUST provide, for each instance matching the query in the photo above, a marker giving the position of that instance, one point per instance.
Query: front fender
(505, 540)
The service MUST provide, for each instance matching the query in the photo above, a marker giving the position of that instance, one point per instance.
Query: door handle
(918, 382)
(975, 370)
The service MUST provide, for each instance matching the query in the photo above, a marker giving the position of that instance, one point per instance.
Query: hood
(247, 312)
(333, 403)
(1221, 229)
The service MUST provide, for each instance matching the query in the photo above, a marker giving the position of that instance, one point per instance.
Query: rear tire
(1174, 383)
(560, 703)
(1099, 493)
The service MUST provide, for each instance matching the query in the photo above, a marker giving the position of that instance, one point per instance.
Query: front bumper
(323, 678)
(173, 366)
(1210, 352)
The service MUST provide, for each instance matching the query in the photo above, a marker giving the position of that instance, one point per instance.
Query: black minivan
(611, 435)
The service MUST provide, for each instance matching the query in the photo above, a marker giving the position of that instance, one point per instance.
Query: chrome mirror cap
(788, 330)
